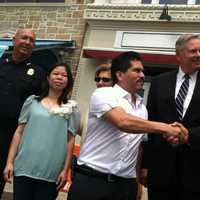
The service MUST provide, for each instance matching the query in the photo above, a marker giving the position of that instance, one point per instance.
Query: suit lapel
(195, 96)
(172, 87)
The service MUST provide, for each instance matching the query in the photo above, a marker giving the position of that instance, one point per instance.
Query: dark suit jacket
(161, 158)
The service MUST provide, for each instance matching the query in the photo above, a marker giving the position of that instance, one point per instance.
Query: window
(175, 2)
(32, 1)
(146, 1)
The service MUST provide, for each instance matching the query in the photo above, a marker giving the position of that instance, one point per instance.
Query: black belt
(83, 169)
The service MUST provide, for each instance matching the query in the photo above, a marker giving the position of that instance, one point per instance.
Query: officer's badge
(30, 71)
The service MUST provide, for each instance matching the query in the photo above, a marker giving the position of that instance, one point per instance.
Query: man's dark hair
(122, 63)
(63, 98)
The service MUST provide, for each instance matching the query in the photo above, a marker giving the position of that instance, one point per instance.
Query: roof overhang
(149, 58)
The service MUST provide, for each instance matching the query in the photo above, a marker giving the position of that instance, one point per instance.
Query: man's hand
(181, 138)
(142, 176)
(171, 130)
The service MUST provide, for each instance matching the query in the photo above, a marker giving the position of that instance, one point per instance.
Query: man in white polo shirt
(106, 168)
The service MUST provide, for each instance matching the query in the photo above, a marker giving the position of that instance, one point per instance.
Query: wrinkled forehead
(25, 32)
(194, 41)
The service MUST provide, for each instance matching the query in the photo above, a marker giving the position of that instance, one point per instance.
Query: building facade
(104, 28)
(149, 27)
(50, 19)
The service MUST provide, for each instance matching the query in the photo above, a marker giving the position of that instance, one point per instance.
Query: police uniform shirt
(17, 82)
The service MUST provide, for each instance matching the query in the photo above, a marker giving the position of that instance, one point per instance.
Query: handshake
(177, 134)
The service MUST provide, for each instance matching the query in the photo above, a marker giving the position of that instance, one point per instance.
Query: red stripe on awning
(148, 58)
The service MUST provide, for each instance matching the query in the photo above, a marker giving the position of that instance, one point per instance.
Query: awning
(146, 57)
(45, 53)
(2, 49)
(6, 44)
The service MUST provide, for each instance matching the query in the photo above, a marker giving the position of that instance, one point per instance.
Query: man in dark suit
(171, 165)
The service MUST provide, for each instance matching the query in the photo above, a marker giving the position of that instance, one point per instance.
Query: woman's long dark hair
(63, 98)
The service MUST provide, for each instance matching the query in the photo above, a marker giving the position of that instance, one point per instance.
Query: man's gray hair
(183, 39)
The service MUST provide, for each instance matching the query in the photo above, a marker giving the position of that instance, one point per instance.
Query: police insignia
(30, 71)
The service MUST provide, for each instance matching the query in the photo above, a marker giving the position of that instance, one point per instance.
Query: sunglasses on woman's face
(104, 79)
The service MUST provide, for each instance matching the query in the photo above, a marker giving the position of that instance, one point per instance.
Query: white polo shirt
(106, 148)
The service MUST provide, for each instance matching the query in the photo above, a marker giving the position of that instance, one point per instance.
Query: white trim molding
(146, 41)
(139, 12)
(61, 4)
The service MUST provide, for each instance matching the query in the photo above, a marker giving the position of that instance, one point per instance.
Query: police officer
(19, 78)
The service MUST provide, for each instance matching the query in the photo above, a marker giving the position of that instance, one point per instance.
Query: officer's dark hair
(63, 98)
(122, 63)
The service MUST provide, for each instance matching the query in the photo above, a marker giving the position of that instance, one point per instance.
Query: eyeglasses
(104, 79)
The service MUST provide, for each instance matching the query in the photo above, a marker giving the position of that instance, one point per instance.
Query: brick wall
(52, 21)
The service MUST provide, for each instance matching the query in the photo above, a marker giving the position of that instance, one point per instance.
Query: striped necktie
(182, 95)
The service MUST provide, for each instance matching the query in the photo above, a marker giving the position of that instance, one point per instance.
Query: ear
(34, 44)
(13, 40)
(178, 56)
(119, 75)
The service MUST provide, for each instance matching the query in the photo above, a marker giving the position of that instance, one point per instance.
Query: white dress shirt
(192, 82)
(106, 148)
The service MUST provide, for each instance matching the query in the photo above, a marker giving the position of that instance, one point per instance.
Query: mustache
(196, 59)
(140, 79)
